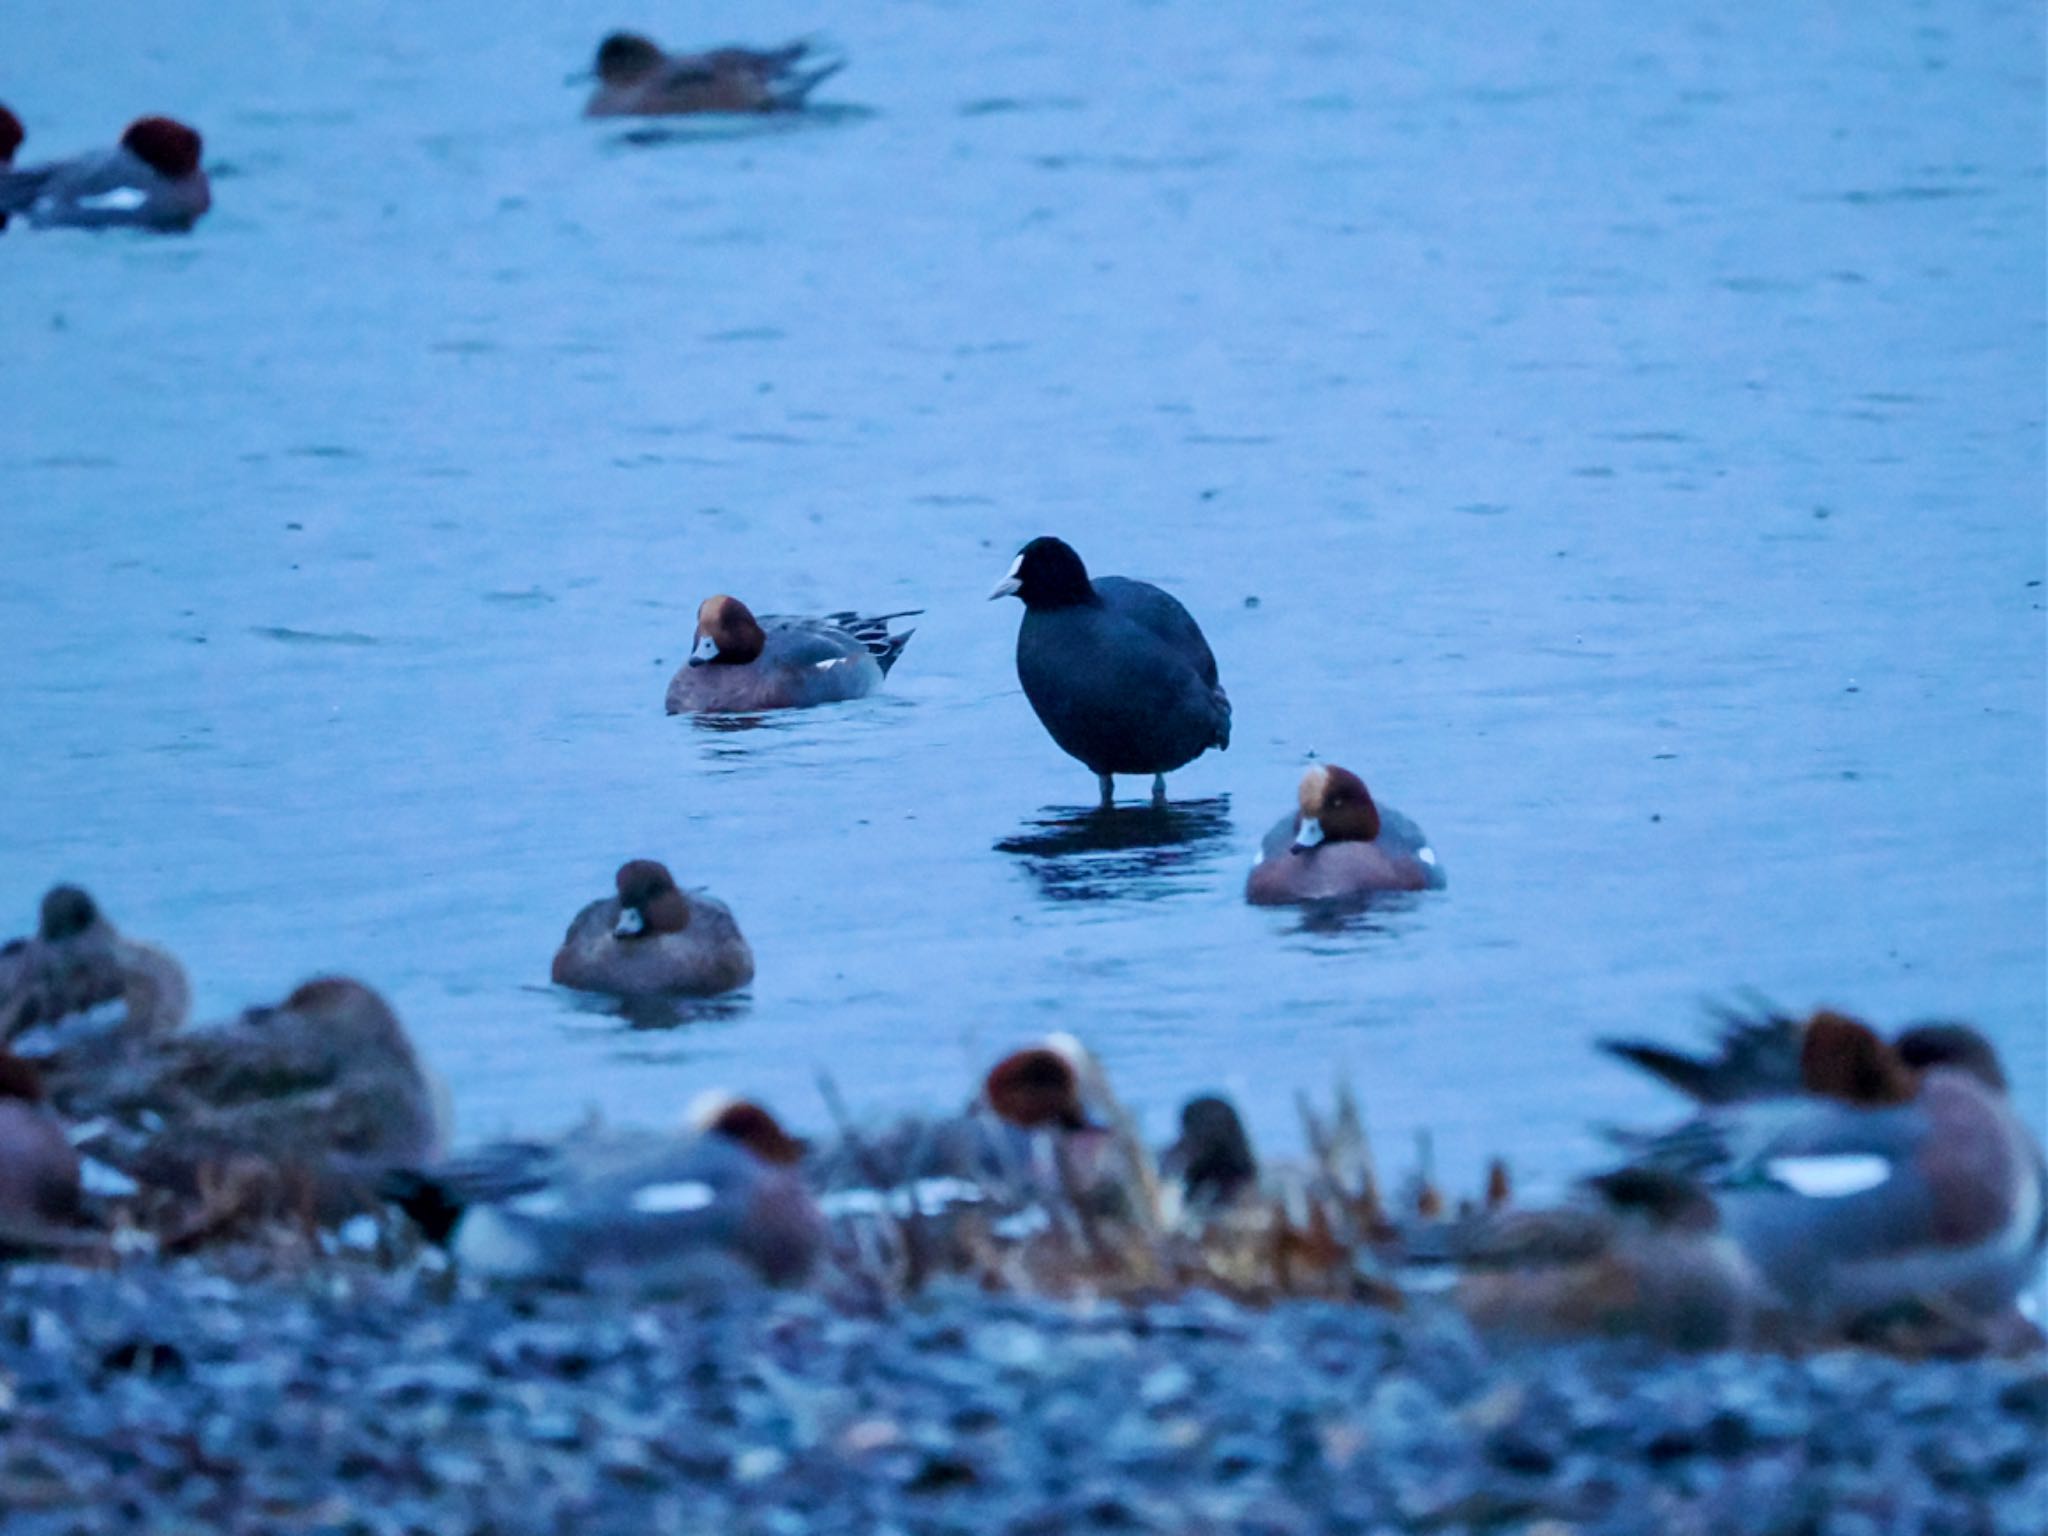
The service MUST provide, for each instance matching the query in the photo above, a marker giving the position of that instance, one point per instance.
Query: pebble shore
(175, 1398)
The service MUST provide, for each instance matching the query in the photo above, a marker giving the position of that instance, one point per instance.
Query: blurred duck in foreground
(653, 940)
(1642, 1254)
(1339, 843)
(1033, 1134)
(150, 180)
(77, 981)
(635, 78)
(646, 1214)
(41, 1203)
(1883, 1184)
(295, 1109)
(739, 664)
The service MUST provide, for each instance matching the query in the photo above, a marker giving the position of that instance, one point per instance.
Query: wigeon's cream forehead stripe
(671, 1199)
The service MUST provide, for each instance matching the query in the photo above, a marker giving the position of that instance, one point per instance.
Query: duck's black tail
(872, 631)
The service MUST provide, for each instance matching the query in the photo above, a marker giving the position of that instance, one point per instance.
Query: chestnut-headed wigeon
(641, 1213)
(1643, 1255)
(740, 664)
(1036, 1132)
(150, 180)
(1898, 1176)
(65, 979)
(635, 78)
(1338, 844)
(1117, 670)
(653, 940)
(11, 136)
(39, 1171)
(322, 1093)
(1212, 1158)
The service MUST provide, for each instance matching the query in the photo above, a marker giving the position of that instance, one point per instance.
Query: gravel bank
(175, 1399)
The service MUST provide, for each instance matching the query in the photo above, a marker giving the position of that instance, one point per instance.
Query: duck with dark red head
(1863, 1178)
(653, 940)
(740, 664)
(151, 179)
(1340, 843)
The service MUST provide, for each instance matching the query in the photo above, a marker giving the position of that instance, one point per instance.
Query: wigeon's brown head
(67, 912)
(727, 633)
(163, 144)
(1046, 574)
(754, 1128)
(11, 135)
(1958, 1047)
(624, 57)
(1844, 1058)
(19, 1079)
(1666, 1200)
(1335, 807)
(1037, 1088)
(649, 901)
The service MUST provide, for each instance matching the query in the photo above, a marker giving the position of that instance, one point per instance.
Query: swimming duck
(1116, 670)
(653, 940)
(323, 1092)
(636, 79)
(649, 1214)
(739, 664)
(1340, 843)
(1897, 1176)
(76, 964)
(150, 180)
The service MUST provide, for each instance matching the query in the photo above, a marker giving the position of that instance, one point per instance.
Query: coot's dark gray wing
(1161, 613)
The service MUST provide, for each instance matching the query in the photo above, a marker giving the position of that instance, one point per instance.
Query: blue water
(1630, 427)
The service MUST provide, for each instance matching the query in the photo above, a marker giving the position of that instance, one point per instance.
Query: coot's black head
(1047, 574)
(67, 912)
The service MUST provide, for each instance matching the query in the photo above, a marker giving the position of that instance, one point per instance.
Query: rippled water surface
(1616, 433)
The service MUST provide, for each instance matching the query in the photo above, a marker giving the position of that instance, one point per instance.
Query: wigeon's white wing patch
(109, 1183)
(672, 1199)
(115, 200)
(540, 1204)
(931, 1196)
(1830, 1178)
(1427, 855)
(1026, 1223)
(830, 661)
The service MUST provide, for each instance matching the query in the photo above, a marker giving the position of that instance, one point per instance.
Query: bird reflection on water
(1090, 853)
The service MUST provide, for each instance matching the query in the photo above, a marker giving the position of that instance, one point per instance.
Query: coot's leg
(1108, 790)
(1159, 789)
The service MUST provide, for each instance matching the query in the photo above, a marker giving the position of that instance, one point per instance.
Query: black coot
(1117, 670)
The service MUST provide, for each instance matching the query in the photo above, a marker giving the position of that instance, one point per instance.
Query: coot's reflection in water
(1140, 852)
